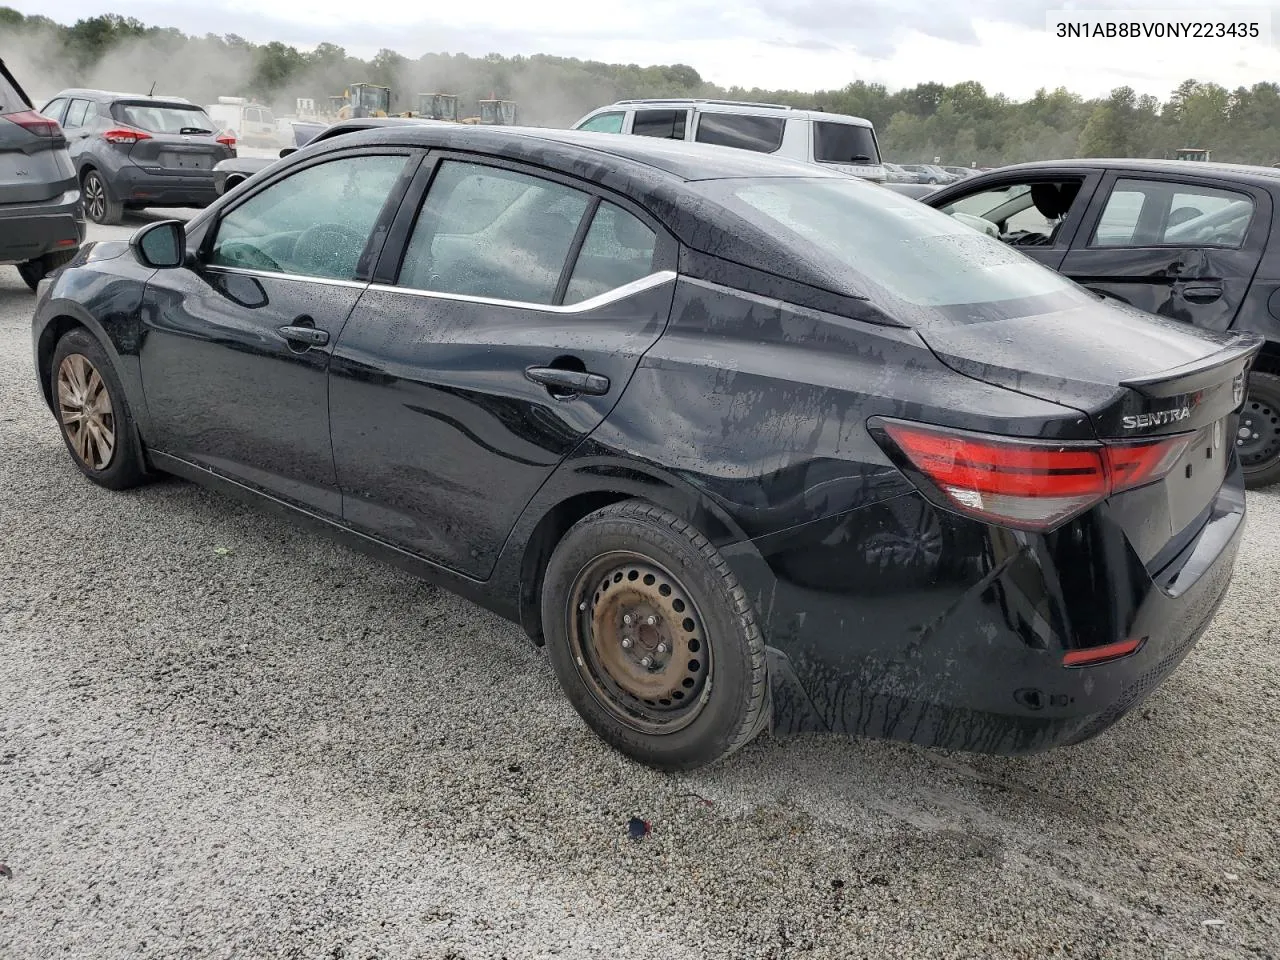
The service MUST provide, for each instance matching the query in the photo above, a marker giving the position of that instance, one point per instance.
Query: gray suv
(41, 223)
(132, 151)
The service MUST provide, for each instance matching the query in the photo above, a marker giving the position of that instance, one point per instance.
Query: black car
(41, 219)
(1189, 241)
(132, 151)
(227, 174)
(731, 460)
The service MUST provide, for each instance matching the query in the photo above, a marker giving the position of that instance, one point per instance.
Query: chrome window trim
(648, 282)
(273, 275)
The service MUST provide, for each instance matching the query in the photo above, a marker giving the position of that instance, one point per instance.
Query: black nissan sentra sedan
(741, 442)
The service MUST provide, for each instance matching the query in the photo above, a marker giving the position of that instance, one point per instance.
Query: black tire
(124, 466)
(713, 668)
(1260, 449)
(33, 271)
(99, 205)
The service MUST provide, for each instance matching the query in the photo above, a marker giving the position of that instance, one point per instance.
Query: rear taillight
(227, 140)
(1027, 484)
(125, 135)
(36, 123)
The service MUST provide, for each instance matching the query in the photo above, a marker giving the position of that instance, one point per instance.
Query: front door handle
(307, 336)
(1202, 292)
(566, 383)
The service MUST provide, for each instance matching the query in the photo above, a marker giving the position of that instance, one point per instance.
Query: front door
(1182, 247)
(518, 315)
(236, 349)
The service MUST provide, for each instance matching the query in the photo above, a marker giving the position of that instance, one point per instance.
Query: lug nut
(626, 643)
(651, 621)
(582, 605)
(626, 618)
(646, 662)
(662, 648)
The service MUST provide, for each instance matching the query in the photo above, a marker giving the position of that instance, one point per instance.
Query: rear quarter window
(844, 143)
(758, 134)
(10, 100)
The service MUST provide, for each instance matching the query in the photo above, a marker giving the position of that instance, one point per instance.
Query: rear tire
(98, 203)
(93, 413)
(1260, 450)
(652, 638)
(33, 271)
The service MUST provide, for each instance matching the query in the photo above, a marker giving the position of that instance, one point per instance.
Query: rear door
(236, 351)
(477, 361)
(1184, 247)
(33, 156)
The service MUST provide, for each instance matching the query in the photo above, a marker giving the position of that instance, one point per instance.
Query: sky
(796, 44)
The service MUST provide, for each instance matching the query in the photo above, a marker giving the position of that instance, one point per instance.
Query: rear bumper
(30, 230)
(139, 185)
(964, 650)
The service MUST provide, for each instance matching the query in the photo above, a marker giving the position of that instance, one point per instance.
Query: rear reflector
(125, 135)
(36, 123)
(1027, 484)
(1110, 651)
(65, 243)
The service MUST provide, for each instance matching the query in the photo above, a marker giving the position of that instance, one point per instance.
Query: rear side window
(668, 124)
(761, 134)
(492, 233)
(10, 100)
(76, 114)
(604, 123)
(618, 250)
(164, 118)
(1143, 213)
(843, 143)
(313, 223)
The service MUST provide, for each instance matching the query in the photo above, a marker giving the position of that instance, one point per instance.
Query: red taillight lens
(125, 135)
(1028, 484)
(227, 140)
(36, 123)
(1111, 651)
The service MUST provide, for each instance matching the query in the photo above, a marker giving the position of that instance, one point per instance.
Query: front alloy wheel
(84, 406)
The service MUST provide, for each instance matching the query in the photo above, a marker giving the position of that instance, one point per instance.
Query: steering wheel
(326, 244)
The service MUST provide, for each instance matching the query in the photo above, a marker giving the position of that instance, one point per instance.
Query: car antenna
(152, 91)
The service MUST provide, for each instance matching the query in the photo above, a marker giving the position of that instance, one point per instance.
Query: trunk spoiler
(1198, 374)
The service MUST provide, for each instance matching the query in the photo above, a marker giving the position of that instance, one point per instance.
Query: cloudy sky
(799, 44)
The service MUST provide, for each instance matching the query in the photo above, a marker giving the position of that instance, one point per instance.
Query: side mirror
(286, 151)
(161, 245)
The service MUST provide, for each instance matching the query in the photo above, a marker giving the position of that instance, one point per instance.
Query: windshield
(882, 241)
(164, 117)
(844, 143)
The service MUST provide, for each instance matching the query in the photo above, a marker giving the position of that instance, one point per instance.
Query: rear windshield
(893, 248)
(10, 100)
(843, 143)
(164, 118)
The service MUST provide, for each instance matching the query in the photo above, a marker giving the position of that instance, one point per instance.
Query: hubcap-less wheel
(95, 197)
(84, 406)
(639, 643)
(1258, 439)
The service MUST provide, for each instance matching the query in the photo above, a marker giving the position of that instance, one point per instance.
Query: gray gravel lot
(222, 736)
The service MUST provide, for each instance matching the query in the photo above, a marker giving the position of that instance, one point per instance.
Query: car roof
(736, 106)
(570, 148)
(88, 94)
(1267, 176)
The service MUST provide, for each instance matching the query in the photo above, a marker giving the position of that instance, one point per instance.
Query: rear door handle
(305, 335)
(1202, 292)
(567, 382)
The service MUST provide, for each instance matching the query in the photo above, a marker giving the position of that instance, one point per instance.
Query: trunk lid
(181, 138)
(1135, 376)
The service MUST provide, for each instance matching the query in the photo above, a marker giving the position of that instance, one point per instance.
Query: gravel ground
(221, 736)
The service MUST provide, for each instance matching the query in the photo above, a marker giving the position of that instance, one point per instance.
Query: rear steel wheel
(1258, 436)
(88, 417)
(639, 643)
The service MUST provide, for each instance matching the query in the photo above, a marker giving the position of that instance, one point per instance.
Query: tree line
(961, 123)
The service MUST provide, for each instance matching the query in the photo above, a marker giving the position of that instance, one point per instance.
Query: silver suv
(831, 139)
(41, 219)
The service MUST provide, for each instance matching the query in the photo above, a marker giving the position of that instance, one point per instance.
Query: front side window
(313, 223)
(493, 233)
(54, 109)
(1027, 214)
(1144, 213)
(667, 124)
(604, 123)
(881, 239)
(760, 134)
(618, 250)
(844, 143)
